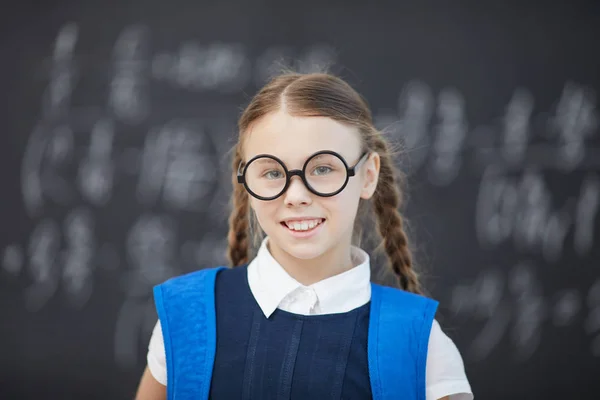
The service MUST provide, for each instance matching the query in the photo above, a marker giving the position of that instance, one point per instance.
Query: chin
(302, 251)
(305, 252)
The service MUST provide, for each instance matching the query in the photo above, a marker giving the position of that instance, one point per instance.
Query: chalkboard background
(117, 116)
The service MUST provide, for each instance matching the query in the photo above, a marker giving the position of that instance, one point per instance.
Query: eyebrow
(266, 161)
(318, 157)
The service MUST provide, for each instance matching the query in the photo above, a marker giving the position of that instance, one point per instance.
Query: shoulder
(413, 305)
(191, 277)
(442, 347)
(190, 281)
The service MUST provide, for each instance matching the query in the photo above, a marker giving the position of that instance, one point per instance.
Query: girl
(301, 319)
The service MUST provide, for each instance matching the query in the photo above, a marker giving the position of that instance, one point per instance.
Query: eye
(273, 174)
(322, 170)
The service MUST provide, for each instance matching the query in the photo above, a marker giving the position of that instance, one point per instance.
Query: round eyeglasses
(324, 173)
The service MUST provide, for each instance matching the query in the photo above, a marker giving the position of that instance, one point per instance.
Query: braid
(239, 236)
(386, 201)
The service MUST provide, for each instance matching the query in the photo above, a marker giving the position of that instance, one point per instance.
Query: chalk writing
(43, 254)
(522, 208)
(46, 155)
(592, 322)
(50, 144)
(96, 169)
(448, 143)
(530, 309)
(12, 259)
(410, 125)
(215, 67)
(151, 253)
(444, 145)
(57, 98)
(78, 257)
(586, 214)
(127, 96)
(515, 304)
(482, 299)
(575, 121)
(177, 163)
(516, 127)
(568, 305)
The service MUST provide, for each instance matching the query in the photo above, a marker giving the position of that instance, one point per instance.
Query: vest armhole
(164, 323)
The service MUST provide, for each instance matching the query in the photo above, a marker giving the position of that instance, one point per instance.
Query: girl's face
(288, 220)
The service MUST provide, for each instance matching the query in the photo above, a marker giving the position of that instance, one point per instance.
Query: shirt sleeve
(156, 357)
(445, 372)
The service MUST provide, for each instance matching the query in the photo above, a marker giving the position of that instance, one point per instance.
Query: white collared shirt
(274, 288)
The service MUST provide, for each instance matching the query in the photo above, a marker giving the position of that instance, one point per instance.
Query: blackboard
(116, 122)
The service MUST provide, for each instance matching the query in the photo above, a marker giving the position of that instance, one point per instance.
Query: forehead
(294, 138)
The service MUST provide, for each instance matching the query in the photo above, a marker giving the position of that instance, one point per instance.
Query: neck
(307, 272)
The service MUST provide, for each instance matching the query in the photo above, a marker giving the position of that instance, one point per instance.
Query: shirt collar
(270, 284)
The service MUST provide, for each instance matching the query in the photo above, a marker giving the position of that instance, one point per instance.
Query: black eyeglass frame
(289, 174)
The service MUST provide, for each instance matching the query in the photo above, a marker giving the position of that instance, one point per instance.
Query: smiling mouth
(303, 225)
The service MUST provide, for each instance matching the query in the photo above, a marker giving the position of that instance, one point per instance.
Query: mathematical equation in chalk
(514, 304)
(178, 163)
(521, 210)
(215, 67)
(434, 129)
(67, 254)
(438, 139)
(45, 252)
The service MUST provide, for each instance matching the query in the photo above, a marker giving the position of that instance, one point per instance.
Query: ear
(371, 175)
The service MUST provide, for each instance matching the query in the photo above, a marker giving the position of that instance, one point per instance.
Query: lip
(303, 234)
(300, 219)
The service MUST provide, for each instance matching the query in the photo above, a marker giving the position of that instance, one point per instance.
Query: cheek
(264, 210)
(344, 205)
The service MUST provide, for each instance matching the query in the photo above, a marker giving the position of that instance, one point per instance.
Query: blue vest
(398, 332)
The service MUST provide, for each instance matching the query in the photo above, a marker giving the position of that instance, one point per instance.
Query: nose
(297, 194)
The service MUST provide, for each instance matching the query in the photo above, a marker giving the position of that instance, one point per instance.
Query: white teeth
(303, 225)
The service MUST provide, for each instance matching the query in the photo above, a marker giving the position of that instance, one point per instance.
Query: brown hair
(322, 94)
